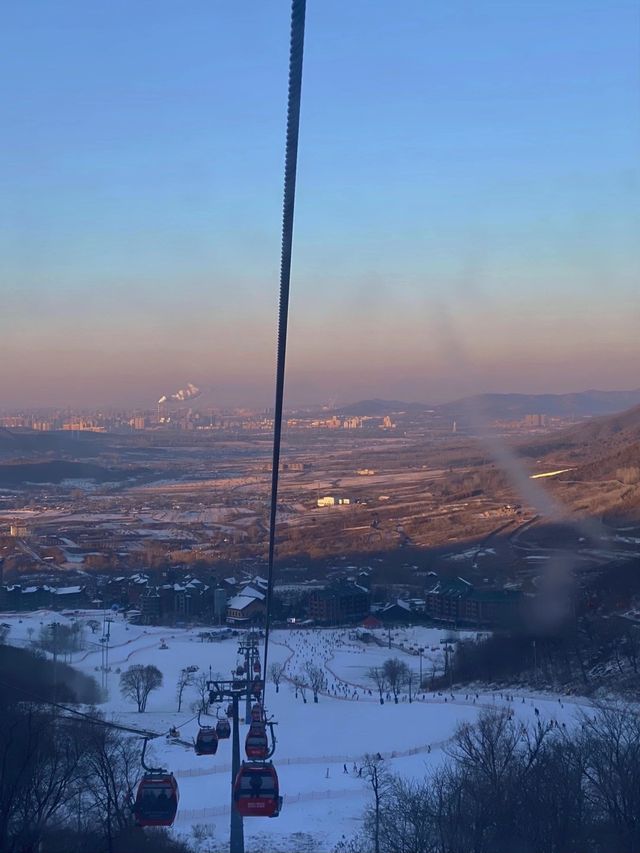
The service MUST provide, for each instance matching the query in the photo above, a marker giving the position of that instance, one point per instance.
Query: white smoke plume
(189, 393)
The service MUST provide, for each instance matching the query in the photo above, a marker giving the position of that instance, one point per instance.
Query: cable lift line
(142, 733)
(146, 734)
(256, 790)
(296, 51)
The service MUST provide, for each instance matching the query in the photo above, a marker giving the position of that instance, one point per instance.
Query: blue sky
(468, 198)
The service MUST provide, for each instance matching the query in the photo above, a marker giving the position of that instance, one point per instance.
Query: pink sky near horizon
(388, 353)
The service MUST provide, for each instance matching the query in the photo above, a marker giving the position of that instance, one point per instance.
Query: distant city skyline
(207, 402)
(468, 201)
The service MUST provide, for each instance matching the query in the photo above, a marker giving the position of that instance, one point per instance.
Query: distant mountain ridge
(505, 406)
(595, 439)
(367, 408)
(581, 404)
(605, 449)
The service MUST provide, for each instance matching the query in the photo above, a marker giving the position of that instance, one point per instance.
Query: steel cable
(298, 10)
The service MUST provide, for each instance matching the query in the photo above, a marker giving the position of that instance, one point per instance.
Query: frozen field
(321, 802)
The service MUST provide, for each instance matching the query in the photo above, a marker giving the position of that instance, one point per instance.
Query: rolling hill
(593, 440)
(507, 406)
(504, 406)
(368, 408)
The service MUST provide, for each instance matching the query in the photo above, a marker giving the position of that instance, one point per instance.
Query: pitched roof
(250, 592)
(240, 602)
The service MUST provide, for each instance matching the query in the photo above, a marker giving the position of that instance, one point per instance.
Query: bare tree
(379, 780)
(4, 632)
(202, 689)
(434, 672)
(406, 822)
(489, 745)
(185, 679)
(396, 673)
(60, 639)
(610, 742)
(76, 640)
(111, 765)
(93, 625)
(276, 671)
(138, 682)
(377, 675)
(300, 686)
(494, 760)
(316, 678)
(631, 646)
(39, 775)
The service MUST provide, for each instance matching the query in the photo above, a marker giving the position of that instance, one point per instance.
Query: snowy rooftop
(239, 602)
(250, 592)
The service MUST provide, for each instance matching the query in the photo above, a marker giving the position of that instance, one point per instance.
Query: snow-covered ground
(315, 741)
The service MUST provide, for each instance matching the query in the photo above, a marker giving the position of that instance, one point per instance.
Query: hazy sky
(468, 213)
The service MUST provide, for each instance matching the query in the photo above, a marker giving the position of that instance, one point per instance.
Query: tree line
(587, 651)
(66, 784)
(505, 787)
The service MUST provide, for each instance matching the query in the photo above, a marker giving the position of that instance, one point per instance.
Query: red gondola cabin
(256, 791)
(257, 745)
(223, 729)
(207, 741)
(156, 800)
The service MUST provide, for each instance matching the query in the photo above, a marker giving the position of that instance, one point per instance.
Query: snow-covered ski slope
(315, 741)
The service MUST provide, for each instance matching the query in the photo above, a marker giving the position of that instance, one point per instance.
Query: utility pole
(450, 664)
(420, 651)
(54, 637)
(106, 657)
(247, 697)
(236, 829)
(249, 649)
(101, 641)
(104, 644)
